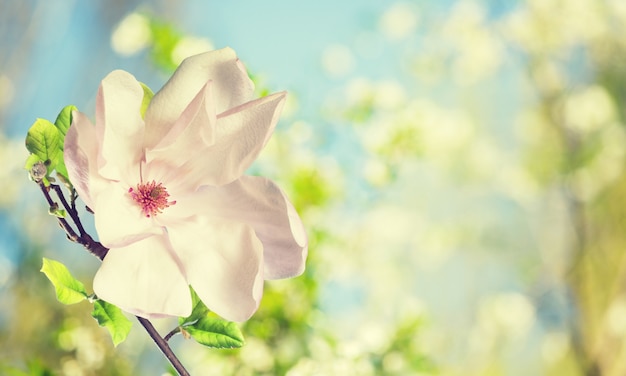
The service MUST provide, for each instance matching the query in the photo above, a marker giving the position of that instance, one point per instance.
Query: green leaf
(208, 329)
(147, 97)
(57, 212)
(46, 142)
(62, 173)
(199, 309)
(112, 318)
(64, 120)
(215, 332)
(63, 123)
(68, 289)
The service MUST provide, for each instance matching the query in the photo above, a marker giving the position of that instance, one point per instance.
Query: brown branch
(70, 209)
(163, 346)
(69, 231)
(84, 239)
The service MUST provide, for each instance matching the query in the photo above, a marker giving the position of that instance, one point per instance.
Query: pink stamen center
(151, 197)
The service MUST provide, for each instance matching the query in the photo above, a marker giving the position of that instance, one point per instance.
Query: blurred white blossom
(131, 35)
(399, 21)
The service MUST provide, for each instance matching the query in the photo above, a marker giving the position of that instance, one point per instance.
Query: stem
(171, 333)
(70, 209)
(69, 231)
(163, 346)
(100, 251)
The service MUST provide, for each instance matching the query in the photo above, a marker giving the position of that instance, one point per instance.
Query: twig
(84, 239)
(165, 348)
(70, 209)
(69, 231)
(172, 332)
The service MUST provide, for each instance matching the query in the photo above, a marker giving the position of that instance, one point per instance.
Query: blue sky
(70, 50)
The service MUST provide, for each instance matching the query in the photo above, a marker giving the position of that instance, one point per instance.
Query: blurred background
(459, 166)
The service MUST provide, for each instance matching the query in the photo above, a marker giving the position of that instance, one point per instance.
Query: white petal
(260, 203)
(80, 155)
(145, 279)
(119, 126)
(232, 88)
(223, 262)
(119, 220)
(193, 131)
(241, 134)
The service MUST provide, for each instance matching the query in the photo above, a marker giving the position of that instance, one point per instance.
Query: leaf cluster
(69, 290)
(202, 325)
(45, 141)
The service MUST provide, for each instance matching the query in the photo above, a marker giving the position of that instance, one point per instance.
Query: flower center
(151, 197)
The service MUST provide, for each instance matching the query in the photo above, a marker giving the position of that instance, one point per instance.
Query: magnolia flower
(169, 196)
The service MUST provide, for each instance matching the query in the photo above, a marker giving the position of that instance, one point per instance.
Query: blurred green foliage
(165, 37)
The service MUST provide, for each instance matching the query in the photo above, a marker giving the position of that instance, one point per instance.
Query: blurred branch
(576, 208)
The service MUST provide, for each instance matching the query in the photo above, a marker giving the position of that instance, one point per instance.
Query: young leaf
(147, 97)
(215, 332)
(62, 123)
(68, 289)
(45, 141)
(57, 212)
(112, 318)
(199, 309)
(62, 173)
(64, 120)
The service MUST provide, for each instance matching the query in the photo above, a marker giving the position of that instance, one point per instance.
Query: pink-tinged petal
(144, 278)
(193, 131)
(232, 87)
(119, 220)
(223, 262)
(241, 134)
(80, 155)
(119, 126)
(260, 203)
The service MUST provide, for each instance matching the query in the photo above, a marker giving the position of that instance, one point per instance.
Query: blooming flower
(169, 196)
